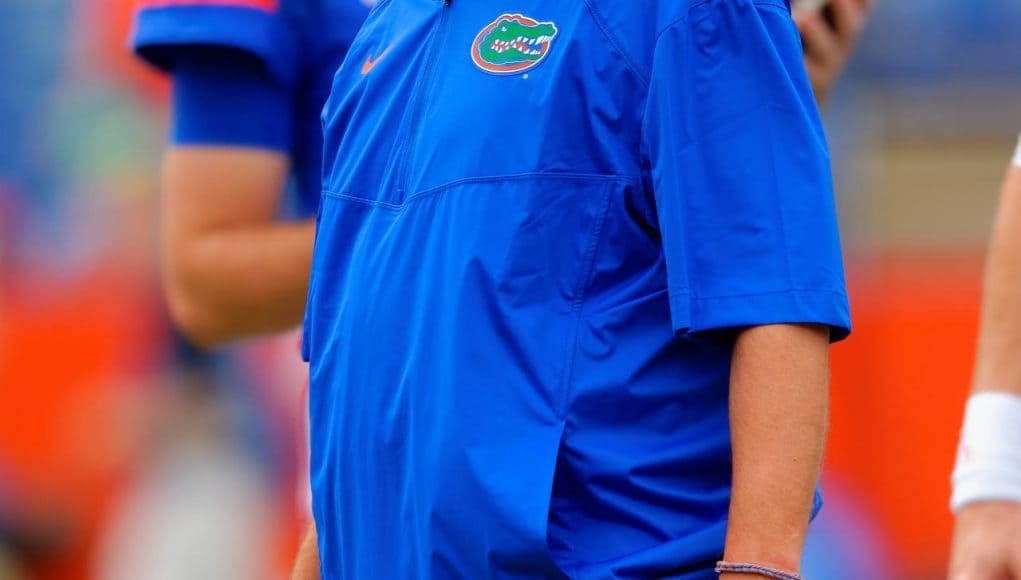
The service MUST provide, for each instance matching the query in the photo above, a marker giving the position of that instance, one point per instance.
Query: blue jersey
(541, 223)
(300, 42)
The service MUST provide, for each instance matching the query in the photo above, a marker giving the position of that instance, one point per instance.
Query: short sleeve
(164, 28)
(226, 97)
(740, 171)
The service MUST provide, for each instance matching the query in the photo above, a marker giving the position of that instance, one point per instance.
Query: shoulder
(636, 27)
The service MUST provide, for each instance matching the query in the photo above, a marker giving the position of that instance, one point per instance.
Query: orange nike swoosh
(371, 63)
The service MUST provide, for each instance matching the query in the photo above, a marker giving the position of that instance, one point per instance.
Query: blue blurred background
(123, 452)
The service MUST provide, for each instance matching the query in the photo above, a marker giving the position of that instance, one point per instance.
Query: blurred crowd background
(126, 455)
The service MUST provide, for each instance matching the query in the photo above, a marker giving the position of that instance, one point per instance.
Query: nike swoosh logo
(370, 63)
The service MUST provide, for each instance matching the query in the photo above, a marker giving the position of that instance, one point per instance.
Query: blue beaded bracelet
(742, 568)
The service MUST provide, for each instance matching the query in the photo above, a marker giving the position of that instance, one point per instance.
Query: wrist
(785, 565)
(988, 461)
(745, 570)
(765, 539)
(784, 556)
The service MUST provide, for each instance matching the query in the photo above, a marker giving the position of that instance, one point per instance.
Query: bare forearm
(987, 533)
(231, 267)
(998, 364)
(236, 282)
(306, 564)
(778, 417)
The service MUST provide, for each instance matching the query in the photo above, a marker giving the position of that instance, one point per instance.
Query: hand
(828, 48)
(987, 542)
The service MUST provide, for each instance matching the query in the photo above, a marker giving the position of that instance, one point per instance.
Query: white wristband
(989, 455)
(1017, 154)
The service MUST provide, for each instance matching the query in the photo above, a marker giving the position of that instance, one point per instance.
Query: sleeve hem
(643, 76)
(159, 32)
(229, 99)
(692, 314)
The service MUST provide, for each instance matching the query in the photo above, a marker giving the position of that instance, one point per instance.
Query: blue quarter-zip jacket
(542, 223)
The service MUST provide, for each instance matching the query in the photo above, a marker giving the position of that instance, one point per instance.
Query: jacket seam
(361, 200)
(776, 3)
(689, 295)
(520, 176)
(378, 5)
(429, 192)
(625, 56)
(584, 281)
(763, 3)
(776, 194)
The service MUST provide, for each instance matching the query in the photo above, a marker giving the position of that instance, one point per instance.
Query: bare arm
(230, 269)
(998, 365)
(987, 535)
(306, 564)
(778, 417)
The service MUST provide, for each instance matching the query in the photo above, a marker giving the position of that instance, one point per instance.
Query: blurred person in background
(829, 31)
(250, 78)
(987, 478)
(521, 349)
(27, 534)
(197, 508)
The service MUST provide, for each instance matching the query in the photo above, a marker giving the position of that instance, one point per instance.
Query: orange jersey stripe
(267, 5)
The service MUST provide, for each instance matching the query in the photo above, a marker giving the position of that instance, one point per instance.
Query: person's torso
(441, 93)
(489, 287)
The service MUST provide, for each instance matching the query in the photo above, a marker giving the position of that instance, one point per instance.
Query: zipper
(416, 104)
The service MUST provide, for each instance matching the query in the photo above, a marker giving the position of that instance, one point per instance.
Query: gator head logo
(512, 44)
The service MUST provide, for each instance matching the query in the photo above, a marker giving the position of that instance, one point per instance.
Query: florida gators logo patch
(512, 44)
